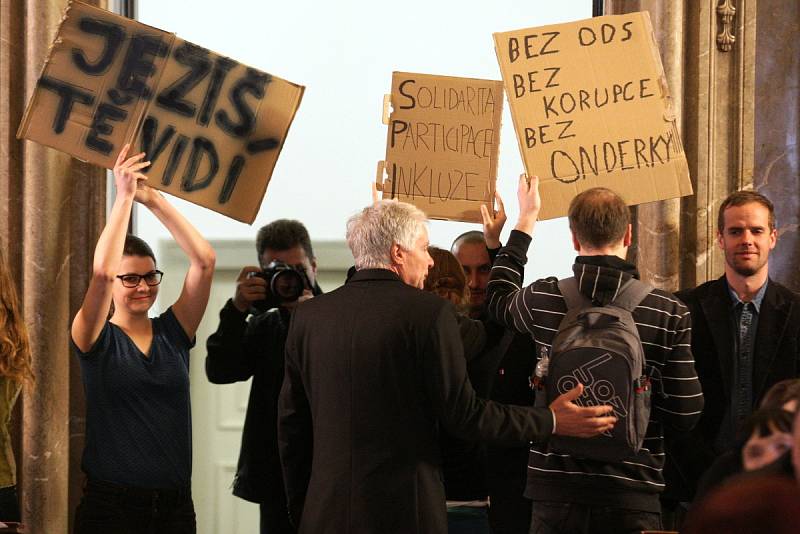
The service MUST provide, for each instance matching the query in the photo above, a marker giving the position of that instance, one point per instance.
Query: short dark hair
(598, 217)
(136, 246)
(283, 234)
(475, 237)
(740, 198)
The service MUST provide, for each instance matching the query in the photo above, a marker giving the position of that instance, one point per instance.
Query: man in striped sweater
(579, 495)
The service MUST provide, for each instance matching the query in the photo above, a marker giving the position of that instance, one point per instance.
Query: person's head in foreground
(755, 505)
(769, 436)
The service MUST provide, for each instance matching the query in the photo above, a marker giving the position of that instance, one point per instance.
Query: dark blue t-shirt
(138, 418)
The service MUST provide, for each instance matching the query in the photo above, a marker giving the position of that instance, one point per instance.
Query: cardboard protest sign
(442, 144)
(212, 127)
(591, 107)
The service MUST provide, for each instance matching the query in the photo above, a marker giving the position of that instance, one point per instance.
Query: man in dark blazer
(373, 370)
(745, 338)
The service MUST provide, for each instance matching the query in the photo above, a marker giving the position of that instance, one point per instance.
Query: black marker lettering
(563, 134)
(530, 137)
(260, 145)
(567, 104)
(583, 98)
(172, 98)
(628, 32)
(222, 66)
(622, 155)
(654, 155)
(529, 42)
(548, 107)
(567, 179)
(410, 97)
(643, 88)
(587, 159)
(150, 146)
(639, 147)
(254, 82)
(552, 36)
(513, 49)
(69, 94)
(230, 181)
(625, 95)
(617, 90)
(607, 37)
(137, 67)
(174, 159)
(606, 146)
(394, 180)
(105, 111)
(519, 85)
(395, 131)
(553, 73)
(585, 40)
(113, 34)
(201, 147)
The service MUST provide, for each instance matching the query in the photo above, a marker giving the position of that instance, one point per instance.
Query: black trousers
(106, 508)
(569, 518)
(275, 519)
(9, 505)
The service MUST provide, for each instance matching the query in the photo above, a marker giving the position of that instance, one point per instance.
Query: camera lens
(288, 285)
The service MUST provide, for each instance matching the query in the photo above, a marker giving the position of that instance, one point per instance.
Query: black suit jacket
(373, 370)
(776, 357)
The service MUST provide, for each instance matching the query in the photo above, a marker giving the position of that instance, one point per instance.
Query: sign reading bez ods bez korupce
(212, 127)
(591, 107)
(442, 144)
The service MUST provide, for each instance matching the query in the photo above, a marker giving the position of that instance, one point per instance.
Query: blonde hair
(15, 348)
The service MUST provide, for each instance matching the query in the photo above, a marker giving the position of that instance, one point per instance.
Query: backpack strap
(571, 293)
(631, 294)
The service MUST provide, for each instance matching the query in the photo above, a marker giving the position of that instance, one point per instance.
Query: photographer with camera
(242, 348)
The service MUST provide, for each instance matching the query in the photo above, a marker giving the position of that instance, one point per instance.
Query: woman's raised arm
(92, 315)
(191, 304)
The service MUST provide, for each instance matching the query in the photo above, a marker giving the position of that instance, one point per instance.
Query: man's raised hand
(529, 203)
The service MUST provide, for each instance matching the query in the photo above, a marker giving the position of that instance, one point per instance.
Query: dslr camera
(285, 283)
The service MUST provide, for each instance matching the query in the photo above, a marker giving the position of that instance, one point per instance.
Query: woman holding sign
(138, 452)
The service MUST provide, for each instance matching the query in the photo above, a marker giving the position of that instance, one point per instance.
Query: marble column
(708, 52)
(51, 210)
(777, 128)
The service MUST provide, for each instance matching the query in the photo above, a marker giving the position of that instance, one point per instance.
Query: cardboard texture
(212, 127)
(591, 107)
(442, 144)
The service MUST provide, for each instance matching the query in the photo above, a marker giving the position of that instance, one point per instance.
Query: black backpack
(599, 346)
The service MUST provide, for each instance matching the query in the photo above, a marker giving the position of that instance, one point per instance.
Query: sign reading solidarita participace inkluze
(442, 144)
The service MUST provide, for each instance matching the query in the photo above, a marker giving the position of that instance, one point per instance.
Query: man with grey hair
(373, 369)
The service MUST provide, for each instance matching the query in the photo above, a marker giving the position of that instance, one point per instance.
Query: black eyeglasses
(153, 278)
